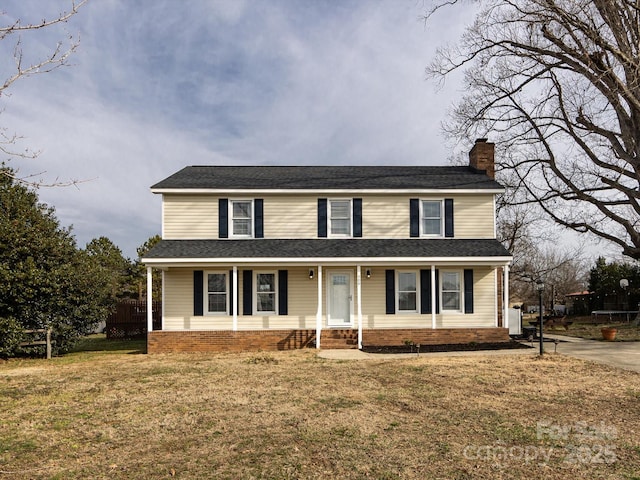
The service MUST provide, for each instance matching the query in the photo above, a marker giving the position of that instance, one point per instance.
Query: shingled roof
(326, 248)
(327, 178)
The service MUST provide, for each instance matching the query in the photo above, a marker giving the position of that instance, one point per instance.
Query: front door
(340, 299)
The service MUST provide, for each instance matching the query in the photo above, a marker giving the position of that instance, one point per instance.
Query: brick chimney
(481, 157)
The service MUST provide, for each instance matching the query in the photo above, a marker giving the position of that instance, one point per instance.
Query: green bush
(11, 334)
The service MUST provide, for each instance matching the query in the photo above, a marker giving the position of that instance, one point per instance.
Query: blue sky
(157, 85)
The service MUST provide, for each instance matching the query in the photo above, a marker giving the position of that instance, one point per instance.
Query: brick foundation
(256, 340)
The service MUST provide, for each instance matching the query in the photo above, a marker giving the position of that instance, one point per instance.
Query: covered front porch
(316, 301)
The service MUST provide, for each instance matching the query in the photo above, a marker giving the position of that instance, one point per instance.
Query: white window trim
(275, 292)
(460, 291)
(340, 235)
(205, 287)
(397, 284)
(432, 235)
(251, 217)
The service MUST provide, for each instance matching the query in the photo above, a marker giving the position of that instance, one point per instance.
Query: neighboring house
(329, 256)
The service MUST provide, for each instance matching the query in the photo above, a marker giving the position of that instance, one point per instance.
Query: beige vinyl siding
(484, 304)
(374, 304)
(473, 216)
(302, 303)
(178, 305)
(290, 216)
(190, 217)
(388, 216)
(385, 216)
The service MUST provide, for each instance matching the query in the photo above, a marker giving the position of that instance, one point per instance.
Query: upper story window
(340, 218)
(241, 218)
(431, 218)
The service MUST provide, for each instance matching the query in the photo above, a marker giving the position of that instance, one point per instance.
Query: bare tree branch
(556, 84)
(57, 58)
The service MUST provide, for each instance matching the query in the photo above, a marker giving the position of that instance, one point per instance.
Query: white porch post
(319, 312)
(235, 298)
(433, 296)
(359, 294)
(505, 301)
(149, 299)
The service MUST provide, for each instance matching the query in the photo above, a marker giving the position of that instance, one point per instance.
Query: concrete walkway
(625, 355)
(353, 354)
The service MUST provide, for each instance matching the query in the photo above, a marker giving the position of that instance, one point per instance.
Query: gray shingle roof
(326, 248)
(327, 177)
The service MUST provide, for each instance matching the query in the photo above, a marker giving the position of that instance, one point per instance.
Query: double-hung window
(217, 298)
(266, 292)
(451, 291)
(241, 218)
(340, 218)
(407, 292)
(431, 218)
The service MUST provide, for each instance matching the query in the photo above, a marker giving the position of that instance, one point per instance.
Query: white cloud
(159, 85)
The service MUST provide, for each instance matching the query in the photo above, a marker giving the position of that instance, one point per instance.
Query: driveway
(624, 355)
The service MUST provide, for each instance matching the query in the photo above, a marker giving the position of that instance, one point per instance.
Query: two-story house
(280, 257)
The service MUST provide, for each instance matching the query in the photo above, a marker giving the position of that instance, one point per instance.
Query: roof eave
(326, 261)
(325, 191)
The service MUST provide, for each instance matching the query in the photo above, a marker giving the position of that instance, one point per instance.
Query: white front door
(340, 299)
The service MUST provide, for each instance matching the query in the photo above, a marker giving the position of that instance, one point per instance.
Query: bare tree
(15, 30)
(557, 85)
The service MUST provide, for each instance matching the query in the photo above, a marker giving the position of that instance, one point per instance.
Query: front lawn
(96, 414)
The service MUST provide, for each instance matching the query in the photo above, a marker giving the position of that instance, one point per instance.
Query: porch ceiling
(329, 251)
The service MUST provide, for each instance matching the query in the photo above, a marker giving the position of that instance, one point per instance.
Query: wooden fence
(130, 319)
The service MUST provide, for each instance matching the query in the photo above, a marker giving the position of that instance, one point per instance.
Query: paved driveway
(624, 355)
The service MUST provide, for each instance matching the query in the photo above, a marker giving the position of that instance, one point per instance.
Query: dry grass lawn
(294, 415)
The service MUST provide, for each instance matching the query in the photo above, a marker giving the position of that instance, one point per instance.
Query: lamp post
(624, 284)
(540, 288)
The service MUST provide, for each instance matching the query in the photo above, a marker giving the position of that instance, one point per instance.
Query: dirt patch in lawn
(294, 415)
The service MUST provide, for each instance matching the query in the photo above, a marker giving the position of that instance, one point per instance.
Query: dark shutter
(448, 217)
(322, 217)
(198, 293)
(414, 217)
(223, 218)
(258, 207)
(247, 292)
(231, 292)
(283, 288)
(468, 291)
(425, 291)
(390, 291)
(357, 217)
(437, 291)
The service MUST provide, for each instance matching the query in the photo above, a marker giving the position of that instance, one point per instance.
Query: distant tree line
(47, 281)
